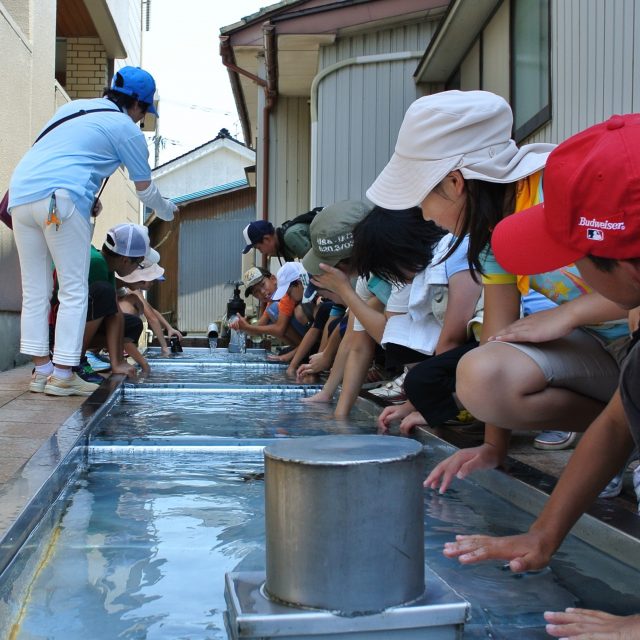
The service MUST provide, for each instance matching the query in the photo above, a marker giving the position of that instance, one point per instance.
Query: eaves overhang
(106, 27)
(459, 28)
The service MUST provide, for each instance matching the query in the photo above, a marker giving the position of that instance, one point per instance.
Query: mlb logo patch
(595, 234)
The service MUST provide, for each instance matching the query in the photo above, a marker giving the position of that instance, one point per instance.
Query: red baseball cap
(591, 203)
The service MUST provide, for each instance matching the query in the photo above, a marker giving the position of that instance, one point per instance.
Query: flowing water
(172, 498)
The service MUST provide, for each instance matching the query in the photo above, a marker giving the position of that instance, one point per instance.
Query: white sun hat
(465, 130)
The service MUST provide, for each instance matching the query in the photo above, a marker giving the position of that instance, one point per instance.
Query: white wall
(217, 164)
(27, 40)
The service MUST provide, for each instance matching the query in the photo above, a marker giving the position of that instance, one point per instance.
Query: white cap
(129, 240)
(152, 257)
(289, 272)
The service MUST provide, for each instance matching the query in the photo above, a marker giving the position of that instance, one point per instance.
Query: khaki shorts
(578, 362)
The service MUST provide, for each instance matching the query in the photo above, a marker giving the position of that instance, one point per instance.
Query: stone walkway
(27, 419)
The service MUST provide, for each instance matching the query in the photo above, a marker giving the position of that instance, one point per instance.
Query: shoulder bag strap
(82, 112)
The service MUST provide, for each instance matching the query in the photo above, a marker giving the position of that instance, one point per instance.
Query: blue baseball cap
(254, 232)
(137, 83)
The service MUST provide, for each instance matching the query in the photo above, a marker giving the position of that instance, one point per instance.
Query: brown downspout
(270, 89)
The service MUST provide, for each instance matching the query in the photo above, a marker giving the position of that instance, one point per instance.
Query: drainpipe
(270, 91)
(358, 60)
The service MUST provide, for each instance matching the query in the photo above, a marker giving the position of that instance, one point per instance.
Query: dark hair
(107, 251)
(393, 244)
(606, 265)
(485, 206)
(123, 100)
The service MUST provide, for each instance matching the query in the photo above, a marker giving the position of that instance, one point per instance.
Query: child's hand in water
(461, 464)
(526, 552)
(583, 624)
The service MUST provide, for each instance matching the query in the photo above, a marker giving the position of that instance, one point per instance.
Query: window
(530, 66)
(61, 61)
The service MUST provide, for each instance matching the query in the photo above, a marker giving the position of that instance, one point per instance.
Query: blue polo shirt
(78, 154)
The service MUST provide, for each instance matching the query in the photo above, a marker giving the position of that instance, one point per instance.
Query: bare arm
(588, 309)
(323, 359)
(337, 370)
(306, 344)
(501, 306)
(371, 316)
(462, 299)
(171, 331)
(133, 352)
(152, 319)
(114, 333)
(587, 472)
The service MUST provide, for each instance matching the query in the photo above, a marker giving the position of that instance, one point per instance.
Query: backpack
(303, 218)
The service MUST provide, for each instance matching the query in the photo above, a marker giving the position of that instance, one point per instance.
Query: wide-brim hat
(147, 274)
(465, 130)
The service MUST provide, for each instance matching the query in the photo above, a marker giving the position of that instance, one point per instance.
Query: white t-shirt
(419, 328)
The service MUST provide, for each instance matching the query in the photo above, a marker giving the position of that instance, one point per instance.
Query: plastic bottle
(237, 338)
(212, 334)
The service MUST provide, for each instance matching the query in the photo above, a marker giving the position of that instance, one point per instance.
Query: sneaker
(391, 391)
(613, 489)
(38, 382)
(555, 440)
(96, 362)
(74, 386)
(87, 372)
(636, 485)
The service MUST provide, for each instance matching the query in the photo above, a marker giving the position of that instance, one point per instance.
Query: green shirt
(99, 269)
(297, 241)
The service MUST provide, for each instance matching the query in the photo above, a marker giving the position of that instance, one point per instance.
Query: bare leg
(355, 371)
(525, 400)
(337, 370)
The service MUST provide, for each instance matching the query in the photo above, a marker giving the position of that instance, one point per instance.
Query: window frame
(543, 115)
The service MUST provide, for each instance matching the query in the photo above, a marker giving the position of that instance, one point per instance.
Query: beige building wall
(27, 40)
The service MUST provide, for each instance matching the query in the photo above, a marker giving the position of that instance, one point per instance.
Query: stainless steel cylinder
(344, 522)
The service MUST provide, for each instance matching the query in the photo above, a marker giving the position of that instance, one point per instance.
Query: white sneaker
(73, 386)
(38, 382)
(96, 363)
(391, 391)
(614, 488)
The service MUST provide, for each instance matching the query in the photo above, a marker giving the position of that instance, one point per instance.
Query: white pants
(69, 248)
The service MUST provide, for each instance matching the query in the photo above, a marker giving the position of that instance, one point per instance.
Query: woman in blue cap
(52, 197)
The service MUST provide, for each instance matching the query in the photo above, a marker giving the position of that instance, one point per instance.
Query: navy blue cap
(254, 232)
(137, 83)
